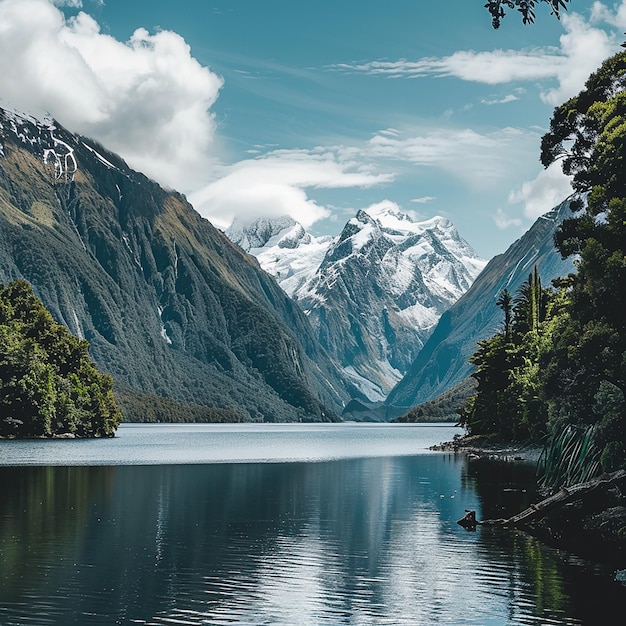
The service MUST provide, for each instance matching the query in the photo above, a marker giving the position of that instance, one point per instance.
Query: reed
(570, 456)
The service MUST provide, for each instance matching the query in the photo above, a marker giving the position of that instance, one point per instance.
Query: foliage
(525, 7)
(508, 401)
(571, 456)
(588, 364)
(560, 369)
(146, 408)
(48, 383)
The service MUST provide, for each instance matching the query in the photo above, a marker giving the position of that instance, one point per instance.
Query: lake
(277, 525)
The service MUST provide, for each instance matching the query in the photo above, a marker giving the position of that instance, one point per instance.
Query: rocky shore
(479, 446)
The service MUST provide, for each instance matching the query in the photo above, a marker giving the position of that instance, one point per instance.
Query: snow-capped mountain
(283, 248)
(184, 321)
(375, 292)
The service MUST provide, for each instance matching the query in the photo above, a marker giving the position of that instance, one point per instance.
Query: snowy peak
(283, 232)
(55, 146)
(375, 292)
(41, 138)
(283, 248)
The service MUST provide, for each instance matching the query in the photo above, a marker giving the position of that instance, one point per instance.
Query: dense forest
(557, 369)
(49, 385)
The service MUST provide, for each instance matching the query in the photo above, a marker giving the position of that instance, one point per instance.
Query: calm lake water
(277, 525)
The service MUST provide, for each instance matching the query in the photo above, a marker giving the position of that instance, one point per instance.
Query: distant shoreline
(486, 447)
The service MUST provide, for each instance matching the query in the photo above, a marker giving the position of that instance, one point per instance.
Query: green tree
(48, 383)
(510, 401)
(586, 371)
(505, 302)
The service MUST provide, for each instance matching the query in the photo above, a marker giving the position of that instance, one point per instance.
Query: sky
(318, 109)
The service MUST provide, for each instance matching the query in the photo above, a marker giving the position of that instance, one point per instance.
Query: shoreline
(478, 446)
(586, 519)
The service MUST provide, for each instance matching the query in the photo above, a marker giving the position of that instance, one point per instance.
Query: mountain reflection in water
(353, 541)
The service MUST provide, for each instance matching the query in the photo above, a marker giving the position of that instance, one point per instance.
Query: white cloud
(147, 99)
(542, 194)
(493, 67)
(281, 181)
(423, 200)
(478, 158)
(277, 184)
(503, 222)
(583, 47)
(505, 100)
(601, 13)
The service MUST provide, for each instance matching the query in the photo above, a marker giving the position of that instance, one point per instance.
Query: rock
(468, 521)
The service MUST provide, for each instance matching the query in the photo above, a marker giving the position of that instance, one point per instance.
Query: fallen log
(588, 518)
(567, 495)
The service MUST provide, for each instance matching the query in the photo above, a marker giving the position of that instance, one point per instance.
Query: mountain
(443, 362)
(283, 248)
(170, 307)
(375, 292)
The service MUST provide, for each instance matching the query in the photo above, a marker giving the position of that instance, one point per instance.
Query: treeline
(48, 382)
(443, 408)
(558, 367)
(146, 408)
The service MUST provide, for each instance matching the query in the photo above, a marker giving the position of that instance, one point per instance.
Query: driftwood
(588, 519)
(567, 495)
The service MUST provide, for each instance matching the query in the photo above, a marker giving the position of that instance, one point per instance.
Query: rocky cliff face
(375, 292)
(443, 361)
(169, 305)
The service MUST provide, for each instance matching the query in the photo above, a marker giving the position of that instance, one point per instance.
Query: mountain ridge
(443, 361)
(169, 304)
(374, 292)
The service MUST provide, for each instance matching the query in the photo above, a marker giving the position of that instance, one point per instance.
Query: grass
(569, 457)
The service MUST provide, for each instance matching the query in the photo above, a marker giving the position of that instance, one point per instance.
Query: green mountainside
(170, 307)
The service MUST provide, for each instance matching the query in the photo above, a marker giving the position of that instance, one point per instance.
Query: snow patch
(62, 158)
(100, 158)
(164, 334)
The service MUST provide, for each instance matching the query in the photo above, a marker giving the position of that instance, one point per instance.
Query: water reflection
(361, 541)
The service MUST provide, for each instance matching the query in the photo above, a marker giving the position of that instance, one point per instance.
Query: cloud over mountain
(146, 98)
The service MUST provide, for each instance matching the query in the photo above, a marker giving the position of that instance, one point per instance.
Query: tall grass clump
(570, 456)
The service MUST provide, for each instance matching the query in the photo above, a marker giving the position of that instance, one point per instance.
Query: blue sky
(316, 109)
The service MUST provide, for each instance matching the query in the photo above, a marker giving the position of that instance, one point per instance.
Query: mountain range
(443, 362)
(282, 326)
(171, 307)
(374, 293)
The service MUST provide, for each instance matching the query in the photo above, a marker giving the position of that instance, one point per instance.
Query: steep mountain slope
(375, 292)
(443, 362)
(169, 305)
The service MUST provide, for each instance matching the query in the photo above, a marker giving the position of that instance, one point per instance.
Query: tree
(510, 402)
(505, 302)
(48, 383)
(587, 368)
(525, 7)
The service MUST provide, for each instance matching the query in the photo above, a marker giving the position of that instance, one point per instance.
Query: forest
(556, 371)
(49, 386)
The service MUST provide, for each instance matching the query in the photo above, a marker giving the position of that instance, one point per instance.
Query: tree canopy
(48, 383)
(561, 365)
(497, 9)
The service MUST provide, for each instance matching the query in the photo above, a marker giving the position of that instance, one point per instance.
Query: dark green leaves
(525, 7)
